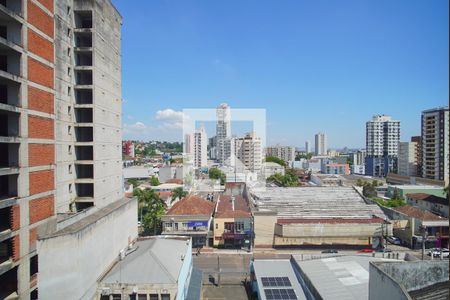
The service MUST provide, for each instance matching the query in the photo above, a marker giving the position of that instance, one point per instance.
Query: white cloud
(169, 114)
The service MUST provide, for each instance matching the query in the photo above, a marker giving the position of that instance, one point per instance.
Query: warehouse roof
(314, 202)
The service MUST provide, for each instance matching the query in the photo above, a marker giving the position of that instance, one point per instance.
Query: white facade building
(321, 144)
(286, 153)
(248, 152)
(435, 144)
(307, 147)
(223, 133)
(196, 147)
(407, 164)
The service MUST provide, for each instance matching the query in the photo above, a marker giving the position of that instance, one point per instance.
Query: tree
(154, 181)
(396, 195)
(178, 193)
(134, 182)
(215, 173)
(151, 208)
(359, 182)
(369, 191)
(276, 160)
(288, 179)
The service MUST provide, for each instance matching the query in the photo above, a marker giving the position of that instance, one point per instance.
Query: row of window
(136, 297)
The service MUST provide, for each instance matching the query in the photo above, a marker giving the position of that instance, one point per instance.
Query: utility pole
(424, 236)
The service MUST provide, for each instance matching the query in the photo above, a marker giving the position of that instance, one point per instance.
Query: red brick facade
(48, 4)
(41, 154)
(40, 128)
(38, 18)
(15, 217)
(40, 46)
(41, 181)
(40, 73)
(16, 248)
(41, 209)
(40, 100)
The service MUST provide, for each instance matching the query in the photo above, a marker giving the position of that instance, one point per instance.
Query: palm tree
(178, 193)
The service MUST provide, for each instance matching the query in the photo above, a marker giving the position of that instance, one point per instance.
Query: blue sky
(313, 65)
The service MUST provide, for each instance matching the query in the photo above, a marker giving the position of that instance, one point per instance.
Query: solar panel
(275, 281)
(280, 294)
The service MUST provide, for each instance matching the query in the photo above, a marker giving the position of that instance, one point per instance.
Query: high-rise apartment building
(60, 146)
(417, 140)
(407, 163)
(307, 147)
(382, 138)
(321, 144)
(223, 133)
(196, 147)
(435, 143)
(248, 152)
(286, 153)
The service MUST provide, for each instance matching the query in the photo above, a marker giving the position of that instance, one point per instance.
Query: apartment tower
(407, 158)
(286, 153)
(60, 145)
(223, 133)
(382, 138)
(248, 152)
(196, 147)
(321, 144)
(435, 144)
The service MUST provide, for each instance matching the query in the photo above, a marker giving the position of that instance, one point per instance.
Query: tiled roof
(192, 205)
(428, 198)
(225, 207)
(330, 221)
(175, 180)
(164, 194)
(418, 213)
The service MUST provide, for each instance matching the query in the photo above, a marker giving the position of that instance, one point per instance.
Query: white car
(437, 252)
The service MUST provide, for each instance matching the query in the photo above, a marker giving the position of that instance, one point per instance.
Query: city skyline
(365, 59)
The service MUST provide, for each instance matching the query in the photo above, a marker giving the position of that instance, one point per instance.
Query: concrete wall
(185, 274)
(70, 264)
(264, 229)
(393, 280)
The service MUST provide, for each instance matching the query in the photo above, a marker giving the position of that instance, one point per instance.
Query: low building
(191, 216)
(314, 216)
(431, 203)
(358, 169)
(232, 222)
(408, 280)
(392, 178)
(271, 168)
(409, 221)
(138, 172)
(275, 279)
(158, 268)
(341, 169)
(414, 188)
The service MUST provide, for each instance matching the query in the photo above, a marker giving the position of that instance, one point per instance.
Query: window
(143, 297)
(69, 110)
(217, 226)
(69, 91)
(69, 9)
(165, 296)
(69, 130)
(153, 296)
(69, 73)
(68, 52)
(70, 169)
(70, 188)
(70, 149)
(116, 297)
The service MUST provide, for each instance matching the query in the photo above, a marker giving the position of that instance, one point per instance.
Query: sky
(315, 66)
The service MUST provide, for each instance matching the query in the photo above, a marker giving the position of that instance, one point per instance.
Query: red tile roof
(175, 180)
(330, 221)
(418, 213)
(225, 207)
(164, 194)
(192, 205)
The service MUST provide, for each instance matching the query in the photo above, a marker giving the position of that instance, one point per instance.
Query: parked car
(366, 250)
(330, 251)
(394, 240)
(436, 252)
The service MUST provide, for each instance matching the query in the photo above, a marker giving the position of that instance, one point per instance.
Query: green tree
(154, 181)
(215, 173)
(178, 193)
(134, 182)
(276, 160)
(359, 182)
(396, 195)
(286, 180)
(151, 208)
(369, 191)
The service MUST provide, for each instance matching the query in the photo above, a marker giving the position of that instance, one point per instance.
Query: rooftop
(159, 261)
(192, 205)
(227, 209)
(339, 277)
(429, 198)
(314, 203)
(330, 221)
(418, 213)
(276, 268)
(415, 186)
